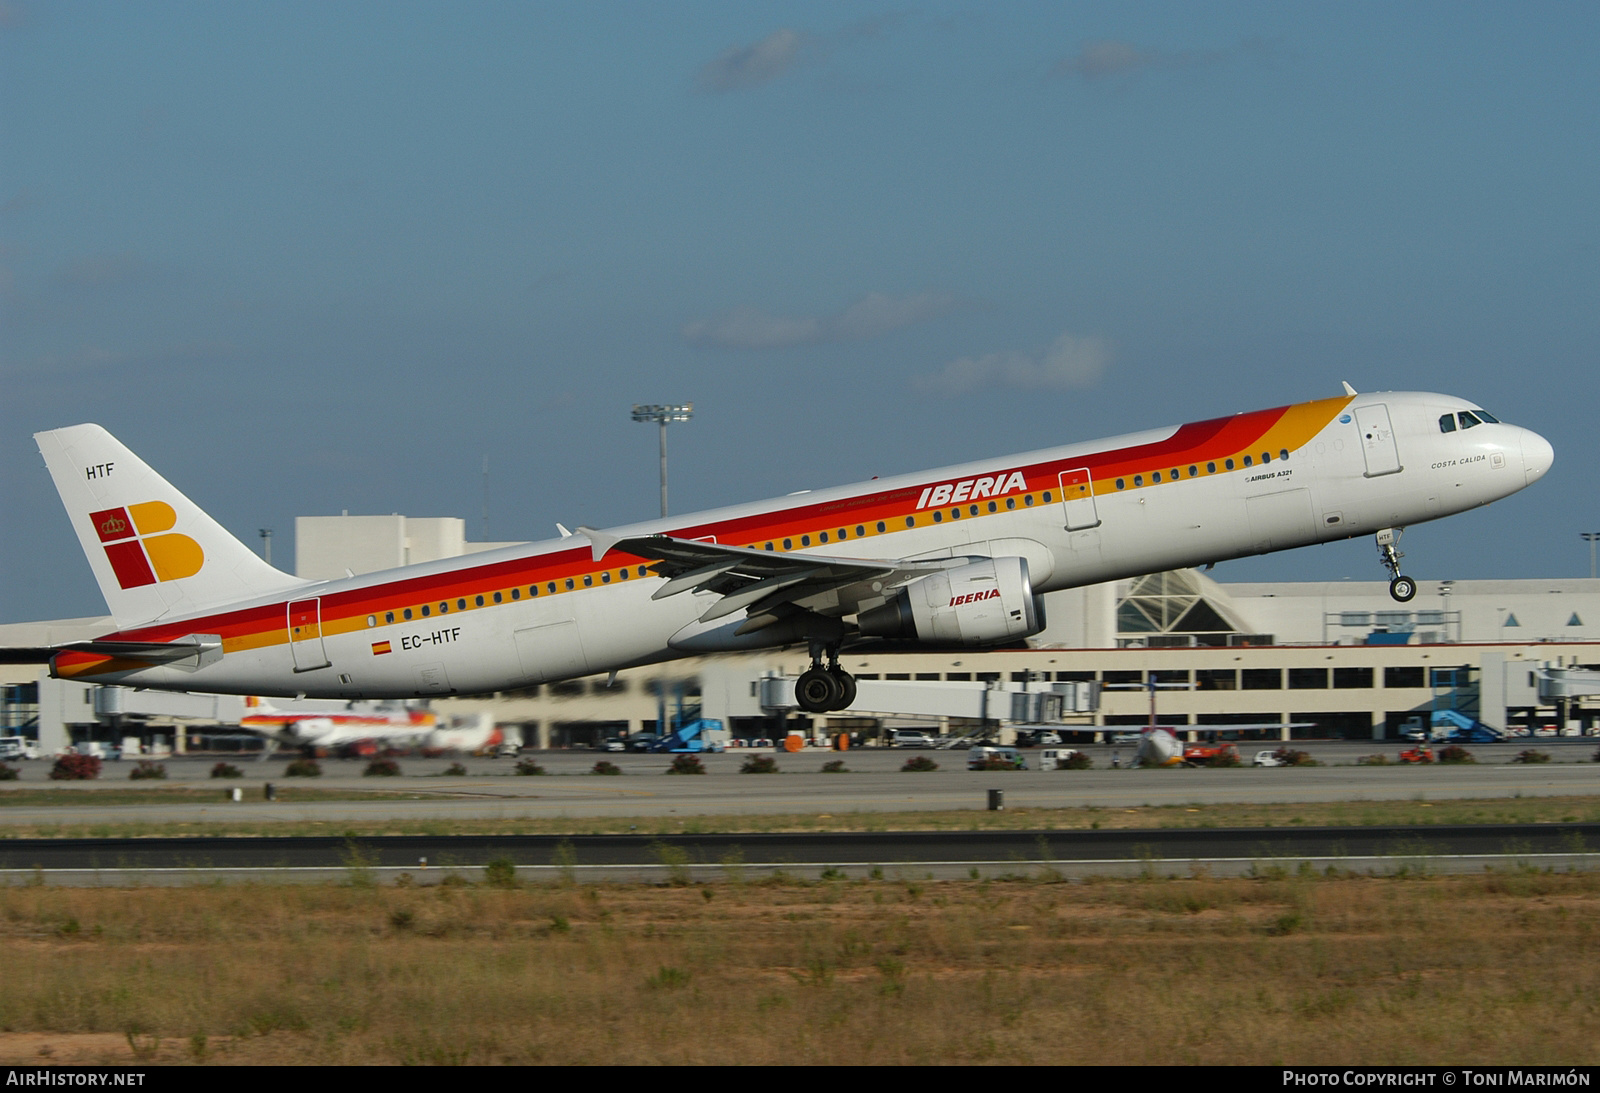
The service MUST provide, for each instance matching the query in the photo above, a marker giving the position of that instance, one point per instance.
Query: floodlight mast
(661, 415)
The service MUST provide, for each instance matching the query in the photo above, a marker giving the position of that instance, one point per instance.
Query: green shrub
(1078, 761)
(687, 764)
(500, 873)
(759, 764)
(1294, 757)
(528, 768)
(1531, 755)
(605, 766)
(226, 770)
(75, 768)
(1455, 753)
(146, 770)
(381, 768)
(919, 763)
(455, 770)
(303, 768)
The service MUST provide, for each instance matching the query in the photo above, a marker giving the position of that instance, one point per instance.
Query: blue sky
(306, 257)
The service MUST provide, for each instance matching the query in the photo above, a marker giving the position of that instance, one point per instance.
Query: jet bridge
(1041, 704)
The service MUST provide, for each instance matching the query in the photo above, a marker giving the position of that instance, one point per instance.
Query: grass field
(1499, 968)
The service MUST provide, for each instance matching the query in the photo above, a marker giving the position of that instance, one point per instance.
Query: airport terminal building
(1290, 660)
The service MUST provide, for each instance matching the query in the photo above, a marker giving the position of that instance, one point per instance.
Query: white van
(1056, 758)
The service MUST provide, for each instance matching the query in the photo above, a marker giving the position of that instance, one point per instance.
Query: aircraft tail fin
(155, 553)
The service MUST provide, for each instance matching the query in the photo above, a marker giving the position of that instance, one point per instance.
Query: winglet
(1347, 388)
(599, 541)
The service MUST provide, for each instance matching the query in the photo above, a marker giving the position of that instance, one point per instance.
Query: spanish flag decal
(379, 648)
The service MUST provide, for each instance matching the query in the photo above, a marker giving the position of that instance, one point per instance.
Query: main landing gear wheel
(1401, 587)
(818, 691)
(847, 687)
(824, 689)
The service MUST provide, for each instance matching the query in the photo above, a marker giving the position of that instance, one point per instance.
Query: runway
(874, 784)
(688, 857)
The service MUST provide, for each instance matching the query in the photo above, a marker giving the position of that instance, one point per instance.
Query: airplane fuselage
(1078, 514)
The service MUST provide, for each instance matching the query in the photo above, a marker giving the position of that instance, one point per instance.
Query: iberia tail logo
(138, 552)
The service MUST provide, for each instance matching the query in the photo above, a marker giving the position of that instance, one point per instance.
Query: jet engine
(983, 603)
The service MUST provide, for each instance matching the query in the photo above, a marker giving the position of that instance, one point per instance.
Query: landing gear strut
(821, 688)
(1401, 588)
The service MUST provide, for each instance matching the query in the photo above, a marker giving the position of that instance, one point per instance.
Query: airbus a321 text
(952, 557)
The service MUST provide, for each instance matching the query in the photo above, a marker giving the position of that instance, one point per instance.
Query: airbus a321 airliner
(952, 557)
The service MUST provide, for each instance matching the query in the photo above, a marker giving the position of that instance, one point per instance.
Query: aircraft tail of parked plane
(155, 553)
(954, 557)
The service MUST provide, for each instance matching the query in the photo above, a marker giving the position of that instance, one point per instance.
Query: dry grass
(1491, 969)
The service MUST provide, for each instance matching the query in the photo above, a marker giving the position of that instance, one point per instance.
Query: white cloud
(1097, 59)
(873, 315)
(1071, 362)
(1104, 59)
(739, 68)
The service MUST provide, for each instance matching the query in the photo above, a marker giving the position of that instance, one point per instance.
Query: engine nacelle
(978, 604)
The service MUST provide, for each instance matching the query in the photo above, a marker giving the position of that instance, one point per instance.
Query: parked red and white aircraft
(314, 724)
(951, 557)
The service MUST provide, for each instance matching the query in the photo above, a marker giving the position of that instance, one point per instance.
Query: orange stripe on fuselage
(1198, 443)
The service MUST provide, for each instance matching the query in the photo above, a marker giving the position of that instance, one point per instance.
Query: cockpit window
(1468, 419)
(1484, 415)
(1447, 423)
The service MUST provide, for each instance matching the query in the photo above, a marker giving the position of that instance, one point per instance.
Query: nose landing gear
(822, 689)
(1401, 587)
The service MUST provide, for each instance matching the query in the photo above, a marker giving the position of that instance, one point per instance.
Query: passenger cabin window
(1247, 462)
(1447, 423)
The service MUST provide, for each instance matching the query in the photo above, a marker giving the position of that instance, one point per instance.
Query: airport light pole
(662, 415)
(266, 544)
(1591, 536)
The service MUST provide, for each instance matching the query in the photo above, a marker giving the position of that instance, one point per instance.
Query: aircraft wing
(766, 584)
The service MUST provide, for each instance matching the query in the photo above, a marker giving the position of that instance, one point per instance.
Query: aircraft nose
(1537, 455)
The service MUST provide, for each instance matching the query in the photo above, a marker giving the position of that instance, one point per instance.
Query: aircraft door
(1377, 440)
(305, 636)
(1077, 496)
